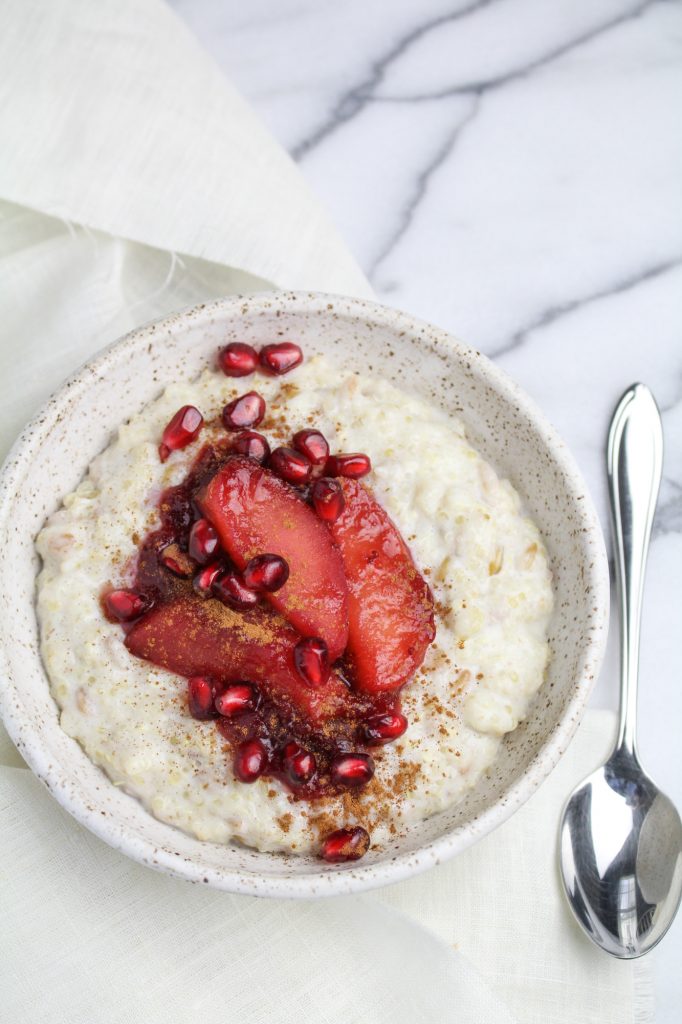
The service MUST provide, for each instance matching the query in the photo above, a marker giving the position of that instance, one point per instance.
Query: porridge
(263, 641)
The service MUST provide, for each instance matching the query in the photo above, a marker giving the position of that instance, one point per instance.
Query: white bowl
(53, 454)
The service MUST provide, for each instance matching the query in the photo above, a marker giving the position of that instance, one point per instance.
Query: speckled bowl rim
(355, 877)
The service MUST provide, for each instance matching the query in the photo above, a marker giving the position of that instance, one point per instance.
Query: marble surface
(510, 170)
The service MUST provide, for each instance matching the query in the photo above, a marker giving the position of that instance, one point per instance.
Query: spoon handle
(634, 462)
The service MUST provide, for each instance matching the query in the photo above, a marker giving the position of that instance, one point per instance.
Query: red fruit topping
(352, 466)
(299, 764)
(238, 359)
(280, 358)
(201, 691)
(291, 465)
(250, 761)
(181, 430)
(266, 572)
(252, 444)
(311, 658)
(203, 541)
(205, 638)
(236, 699)
(313, 445)
(328, 499)
(125, 605)
(352, 770)
(253, 510)
(246, 411)
(177, 561)
(204, 580)
(345, 844)
(231, 590)
(381, 729)
(390, 605)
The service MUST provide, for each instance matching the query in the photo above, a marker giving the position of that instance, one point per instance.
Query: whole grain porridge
(437, 641)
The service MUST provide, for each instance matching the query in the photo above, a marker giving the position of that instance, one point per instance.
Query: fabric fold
(113, 117)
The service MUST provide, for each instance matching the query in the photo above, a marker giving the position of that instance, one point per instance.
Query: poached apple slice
(391, 615)
(256, 513)
(196, 637)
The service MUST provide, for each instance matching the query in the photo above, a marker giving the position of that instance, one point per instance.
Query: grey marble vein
(554, 313)
(484, 85)
(421, 185)
(355, 99)
(669, 511)
(672, 403)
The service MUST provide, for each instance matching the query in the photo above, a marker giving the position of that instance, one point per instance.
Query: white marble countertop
(510, 170)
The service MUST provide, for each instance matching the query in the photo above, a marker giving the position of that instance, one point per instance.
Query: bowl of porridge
(301, 595)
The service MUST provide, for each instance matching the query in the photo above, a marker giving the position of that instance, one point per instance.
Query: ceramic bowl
(53, 454)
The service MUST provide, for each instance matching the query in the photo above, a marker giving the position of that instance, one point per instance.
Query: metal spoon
(621, 838)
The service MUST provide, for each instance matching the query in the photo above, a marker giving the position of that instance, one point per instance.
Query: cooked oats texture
(482, 556)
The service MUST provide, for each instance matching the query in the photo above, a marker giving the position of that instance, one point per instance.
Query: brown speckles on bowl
(54, 451)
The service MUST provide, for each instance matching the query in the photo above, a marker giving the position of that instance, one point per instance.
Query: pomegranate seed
(177, 561)
(250, 761)
(204, 580)
(292, 466)
(299, 764)
(328, 500)
(201, 695)
(311, 658)
(345, 844)
(231, 589)
(352, 769)
(126, 605)
(353, 465)
(313, 445)
(238, 359)
(235, 699)
(280, 358)
(246, 411)
(252, 444)
(181, 430)
(266, 572)
(383, 728)
(203, 541)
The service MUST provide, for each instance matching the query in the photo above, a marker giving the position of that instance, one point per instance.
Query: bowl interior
(53, 455)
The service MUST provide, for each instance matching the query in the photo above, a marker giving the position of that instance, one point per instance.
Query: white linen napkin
(134, 181)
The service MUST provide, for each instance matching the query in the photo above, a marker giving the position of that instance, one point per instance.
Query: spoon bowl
(621, 838)
(621, 857)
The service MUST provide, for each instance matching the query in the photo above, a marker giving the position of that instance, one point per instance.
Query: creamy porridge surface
(483, 558)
